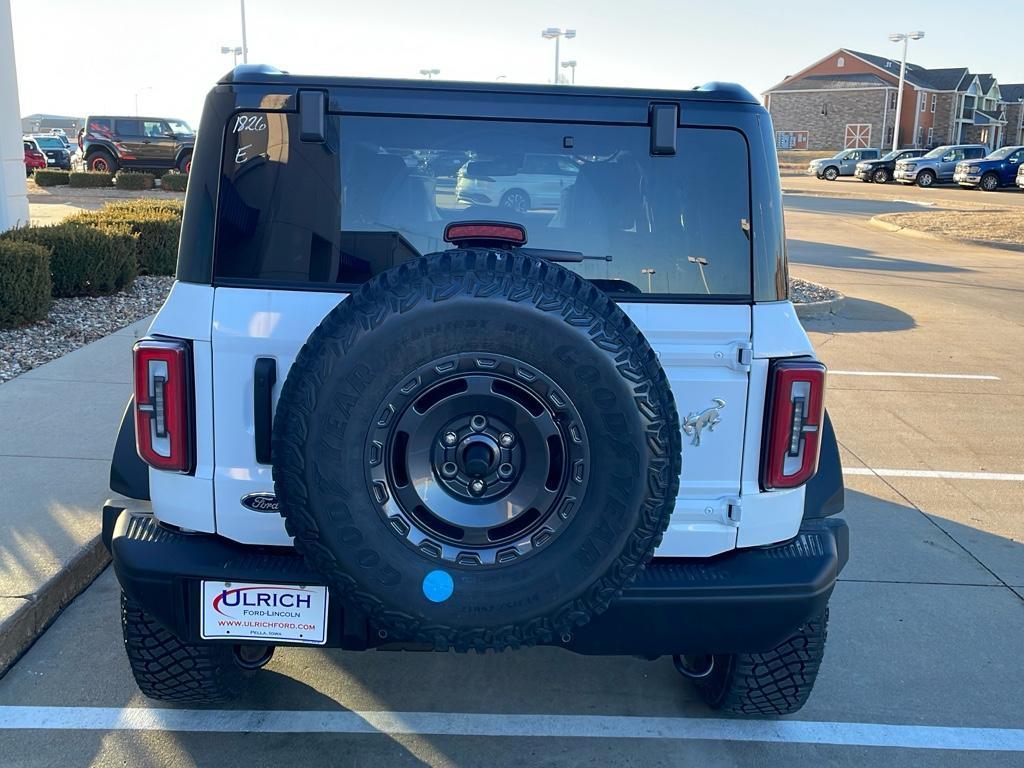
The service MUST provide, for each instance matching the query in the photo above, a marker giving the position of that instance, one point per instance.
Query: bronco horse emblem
(695, 422)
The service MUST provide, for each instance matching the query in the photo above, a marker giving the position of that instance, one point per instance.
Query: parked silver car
(842, 163)
(938, 165)
(537, 182)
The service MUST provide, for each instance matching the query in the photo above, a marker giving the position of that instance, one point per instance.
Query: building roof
(1012, 91)
(949, 79)
(985, 81)
(916, 75)
(830, 82)
(987, 117)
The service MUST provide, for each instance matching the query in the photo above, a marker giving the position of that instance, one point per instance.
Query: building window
(892, 99)
(840, 62)
(931, 134)
(920, 136)
(934, 99)
(888, 136)
(924, 101)
(858, 135)
(791, 139)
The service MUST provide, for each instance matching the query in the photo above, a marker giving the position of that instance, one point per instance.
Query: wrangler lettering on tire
(527, 447)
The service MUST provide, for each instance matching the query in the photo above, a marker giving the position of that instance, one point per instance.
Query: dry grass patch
(796, 160)
(1002, 226)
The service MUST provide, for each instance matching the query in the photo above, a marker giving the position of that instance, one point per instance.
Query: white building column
(13, 200)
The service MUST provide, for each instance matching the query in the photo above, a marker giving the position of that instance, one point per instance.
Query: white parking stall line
(941, 474)
(917, 375)
(537, 726)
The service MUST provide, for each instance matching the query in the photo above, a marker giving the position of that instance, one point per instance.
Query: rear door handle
(263, 380)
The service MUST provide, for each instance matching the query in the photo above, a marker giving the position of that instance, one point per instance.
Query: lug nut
(477, 487)
(450, 438)
(506, 440)
(505, 471)
(478, 423)
(449, 469)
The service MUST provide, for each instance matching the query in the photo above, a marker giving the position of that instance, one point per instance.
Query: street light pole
(556, 34)
(570, 64)
(429, 73)
(901, 37)
(245, 45)
(650, 272)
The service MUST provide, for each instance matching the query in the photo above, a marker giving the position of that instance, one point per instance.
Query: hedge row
(173, 181)
(155, 225)
(84, 261)
(24, 283)
(51, 177)
(90, 179)
(133, 180)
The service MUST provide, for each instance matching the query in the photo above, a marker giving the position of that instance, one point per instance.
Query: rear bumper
(743, 601)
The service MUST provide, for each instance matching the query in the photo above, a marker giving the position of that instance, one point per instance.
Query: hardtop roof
(257, 74)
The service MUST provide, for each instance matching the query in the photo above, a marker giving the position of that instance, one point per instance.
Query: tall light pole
(570, 64)
(245, 45)
(429, 73)
(556, 34)
(650, 272)
(235, 51)
(901, 37)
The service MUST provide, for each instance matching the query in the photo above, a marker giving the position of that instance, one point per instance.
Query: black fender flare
(129, 475)
(824, 494)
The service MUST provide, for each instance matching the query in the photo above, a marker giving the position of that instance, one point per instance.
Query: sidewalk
(57, 428)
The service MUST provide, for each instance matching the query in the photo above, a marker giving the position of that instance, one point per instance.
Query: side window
(971, 153)
(128, 127)
(154, 128)
(99, 126)
(1017, 156)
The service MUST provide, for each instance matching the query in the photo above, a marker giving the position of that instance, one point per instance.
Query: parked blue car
(998, 169)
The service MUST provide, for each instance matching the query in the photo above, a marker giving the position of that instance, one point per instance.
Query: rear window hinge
(742, 352)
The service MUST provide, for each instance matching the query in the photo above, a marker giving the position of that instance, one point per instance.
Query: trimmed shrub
(173, 181)
(25, 284)
(133, 180)
(155, 225)
(84, 179)
(51, 177)
(84, 261)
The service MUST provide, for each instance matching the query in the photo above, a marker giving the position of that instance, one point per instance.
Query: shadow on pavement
(847, 257)
(862, 316)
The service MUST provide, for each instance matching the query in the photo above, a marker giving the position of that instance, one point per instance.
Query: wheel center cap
(477, 455)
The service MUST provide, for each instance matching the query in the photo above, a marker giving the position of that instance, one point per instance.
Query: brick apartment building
(848, 99)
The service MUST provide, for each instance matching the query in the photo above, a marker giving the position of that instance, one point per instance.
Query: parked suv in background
(109, 143)
(880, 170)
(57, 156)
(370, 417)
(938, 165)
(993, 171)
(841, 163)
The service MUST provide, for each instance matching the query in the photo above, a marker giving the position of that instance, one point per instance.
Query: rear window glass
(99, 126)
(128, 127)
(380, 190)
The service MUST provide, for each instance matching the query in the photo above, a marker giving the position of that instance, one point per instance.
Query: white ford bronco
(377, 414)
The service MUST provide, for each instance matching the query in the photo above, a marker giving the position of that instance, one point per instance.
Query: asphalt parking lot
(923, 662)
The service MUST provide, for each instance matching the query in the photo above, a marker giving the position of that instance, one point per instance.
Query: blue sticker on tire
(438, 586)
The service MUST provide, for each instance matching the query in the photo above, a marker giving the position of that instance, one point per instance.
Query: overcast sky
(78, 57)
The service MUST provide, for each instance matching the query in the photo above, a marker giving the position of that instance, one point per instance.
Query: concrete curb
(888, 226)
(20, 628)
(819, 310)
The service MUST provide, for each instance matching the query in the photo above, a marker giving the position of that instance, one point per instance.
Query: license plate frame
(268, 612)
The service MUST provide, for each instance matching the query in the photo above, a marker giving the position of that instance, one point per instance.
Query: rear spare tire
(478, 449)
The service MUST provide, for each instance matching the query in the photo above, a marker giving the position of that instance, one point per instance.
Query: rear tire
(167, 669)
(926, 179)
(101, 161)
(185, 164)
(881, 176)
(517, 200)
(989, 182)
(831, 173)
(777, 682)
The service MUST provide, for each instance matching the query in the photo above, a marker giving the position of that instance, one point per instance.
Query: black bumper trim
(742, 601)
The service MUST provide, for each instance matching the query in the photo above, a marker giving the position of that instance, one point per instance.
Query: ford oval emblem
(260, 502)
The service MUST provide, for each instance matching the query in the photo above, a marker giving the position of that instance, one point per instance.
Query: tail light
(164, 404)
(796, 408)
